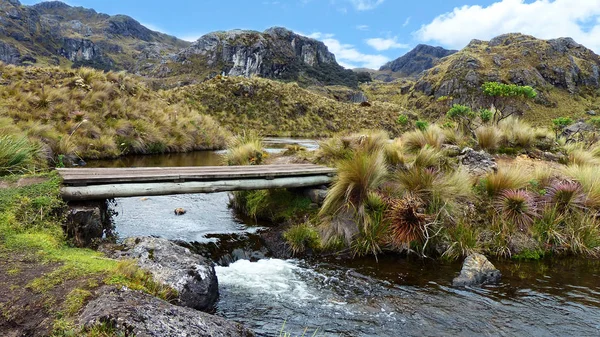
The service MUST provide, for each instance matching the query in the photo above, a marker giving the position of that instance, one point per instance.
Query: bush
(421, 125)
(402, 120)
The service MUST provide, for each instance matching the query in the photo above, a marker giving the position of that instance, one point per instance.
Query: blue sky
(367, 33)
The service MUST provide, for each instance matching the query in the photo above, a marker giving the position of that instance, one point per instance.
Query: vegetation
(90, 114)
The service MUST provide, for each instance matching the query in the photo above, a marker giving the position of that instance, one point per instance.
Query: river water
(396, 296)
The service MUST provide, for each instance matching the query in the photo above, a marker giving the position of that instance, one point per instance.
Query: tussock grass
(245, 149)
(302, 237)
(488, 138)
(506, 178)
(517, 132)
(18, 155)
(91, 114)
(415, 140)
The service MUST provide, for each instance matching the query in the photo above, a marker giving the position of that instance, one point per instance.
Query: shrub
(518, 207)
(558, 124)
(488, 138)
(302, 237)
(421, 125)
(486, 115)
(17, 155)
(402, 120)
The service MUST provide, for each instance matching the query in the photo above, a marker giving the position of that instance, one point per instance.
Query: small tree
(463, 115)
(504, 95)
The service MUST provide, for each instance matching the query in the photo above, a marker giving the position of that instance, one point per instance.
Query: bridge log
(110, 191)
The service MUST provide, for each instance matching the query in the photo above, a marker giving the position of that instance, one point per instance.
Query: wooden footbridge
(108, 183)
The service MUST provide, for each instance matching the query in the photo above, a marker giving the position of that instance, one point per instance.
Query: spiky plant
(589, 178)
(517, 207)
(488, 138)
(566, 196)
(408, 220)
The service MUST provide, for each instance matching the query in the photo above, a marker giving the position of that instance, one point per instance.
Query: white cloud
(347, 55)
(365, 5)
(406, 22)
(152, 27)
(384, 44)
(579, 19)
(191, 37)
(362, 27)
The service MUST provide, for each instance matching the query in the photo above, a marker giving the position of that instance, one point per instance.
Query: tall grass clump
(347, 197)
(589, 178)
(245, 149)
(517, 132)
(488, 138)
(506, 178)
(17, 155)
(302, 237)
(415, 140)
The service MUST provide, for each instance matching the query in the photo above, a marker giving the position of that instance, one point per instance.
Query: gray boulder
(133, 313)
(476, 270)
(575, 128)
(477, 162)
(192, 275)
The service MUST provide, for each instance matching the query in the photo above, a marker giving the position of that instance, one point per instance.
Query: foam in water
(274, 278)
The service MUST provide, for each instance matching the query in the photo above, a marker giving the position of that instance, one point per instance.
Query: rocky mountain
(413, 63)
(565, 74)
(54, 33)
(276, 53)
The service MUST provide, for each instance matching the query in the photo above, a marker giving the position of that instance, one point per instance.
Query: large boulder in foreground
(133, 313)
(476, 270)
(192, 275)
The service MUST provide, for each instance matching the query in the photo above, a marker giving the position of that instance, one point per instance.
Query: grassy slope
(99, 115)
(282, 109)
(43, 278)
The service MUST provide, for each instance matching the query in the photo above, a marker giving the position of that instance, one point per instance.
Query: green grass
(18, 155)
(302, 237)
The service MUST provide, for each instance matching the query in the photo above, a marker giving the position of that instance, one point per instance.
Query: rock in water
(192, 275)
(134, 313)
(180, 211)
(476, 270)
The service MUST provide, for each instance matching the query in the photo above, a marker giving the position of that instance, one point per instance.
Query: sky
(368, 33)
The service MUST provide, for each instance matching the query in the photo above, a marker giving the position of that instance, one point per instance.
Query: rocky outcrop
(274, 53)
(413, 63)
(190, 274)
(54, 29)
(547, 65)
(476, 270)
(133, 313)
(88, 223)
(477, 163)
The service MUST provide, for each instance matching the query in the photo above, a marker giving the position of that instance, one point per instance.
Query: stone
(192, 275)
(477, 162)
(180, 211)
(133, 313)
(591, 112)
(316, 195)
(88, 223)
(575, 128)
(476, 270)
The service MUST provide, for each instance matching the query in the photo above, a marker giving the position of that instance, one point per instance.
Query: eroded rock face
(9, 54)
(192, 275)
(477, 270)
(421, 58)
(88, 223)
(477, 162)
(134, 313)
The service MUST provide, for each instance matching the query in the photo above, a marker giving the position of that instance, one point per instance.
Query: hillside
(91, 114)
(276, 53)
(282, 109)
(54, 33)
(565, 74)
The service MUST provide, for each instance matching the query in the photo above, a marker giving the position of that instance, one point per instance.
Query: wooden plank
(109, 191)
(161, 174)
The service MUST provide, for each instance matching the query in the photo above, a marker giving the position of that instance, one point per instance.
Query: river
(396, 296)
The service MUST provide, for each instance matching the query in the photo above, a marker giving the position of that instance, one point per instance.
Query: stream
(396, 296)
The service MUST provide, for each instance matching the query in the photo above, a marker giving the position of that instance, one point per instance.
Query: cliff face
(413, 63)
(275, 53)
(54, 33)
